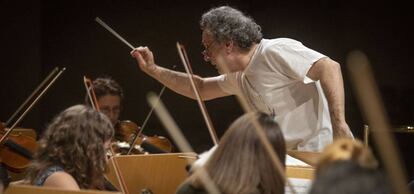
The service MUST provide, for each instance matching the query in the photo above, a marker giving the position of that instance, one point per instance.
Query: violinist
(72, 151)
(109, 96)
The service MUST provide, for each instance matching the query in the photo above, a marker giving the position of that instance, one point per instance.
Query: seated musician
(240, 163)
(109, 96)
(72, 151)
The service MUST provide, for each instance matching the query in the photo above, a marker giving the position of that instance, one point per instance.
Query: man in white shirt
(301, 87)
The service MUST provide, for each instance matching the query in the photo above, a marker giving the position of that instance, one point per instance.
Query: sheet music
(291, 161)
(301, 186)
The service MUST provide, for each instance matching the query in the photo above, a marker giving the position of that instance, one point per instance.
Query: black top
(41, 178)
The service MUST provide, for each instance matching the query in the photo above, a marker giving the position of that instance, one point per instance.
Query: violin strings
(186, 63)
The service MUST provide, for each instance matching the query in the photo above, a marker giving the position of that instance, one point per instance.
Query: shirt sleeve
(294, 58)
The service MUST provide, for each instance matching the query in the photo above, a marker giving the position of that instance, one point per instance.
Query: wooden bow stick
(49, 80)
(187, 66)
(245, 106)
(369, 98)
(93, 100)
(180, 140)
(144, 124)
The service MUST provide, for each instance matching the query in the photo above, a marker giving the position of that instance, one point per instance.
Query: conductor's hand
(341, 130)
(145, 59)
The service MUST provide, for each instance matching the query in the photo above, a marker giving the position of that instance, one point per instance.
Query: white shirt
(275, 81)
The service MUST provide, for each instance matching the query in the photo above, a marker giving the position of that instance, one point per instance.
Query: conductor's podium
(163, 173)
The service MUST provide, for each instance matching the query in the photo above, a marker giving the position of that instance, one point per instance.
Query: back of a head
(240, 164)
(349, 177)
(75, 141)
(228, 24)
(79, 122)
(347, 149)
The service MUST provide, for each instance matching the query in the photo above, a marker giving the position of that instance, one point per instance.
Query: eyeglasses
(207, 51)
(108, 110)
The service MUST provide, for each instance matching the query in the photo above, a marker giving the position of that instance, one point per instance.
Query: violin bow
(179, 138)
(94, 102)
(91, 93)
(48, 81)
(188, 69)
(370, 103)
(40, 86)
(134, 141)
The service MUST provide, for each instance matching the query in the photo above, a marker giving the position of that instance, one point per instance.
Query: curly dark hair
(74, 140)
(105, 86)
(228, 24)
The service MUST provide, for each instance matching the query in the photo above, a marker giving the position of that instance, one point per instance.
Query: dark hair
(240, 164)
(74, 140)
(228, 24)
(347, 176)
(105, 86)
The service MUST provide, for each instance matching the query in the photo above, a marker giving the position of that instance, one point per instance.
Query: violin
(126, 131)
(17, 150)
(18, 146)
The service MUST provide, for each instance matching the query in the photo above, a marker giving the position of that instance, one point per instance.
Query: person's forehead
(109, 99)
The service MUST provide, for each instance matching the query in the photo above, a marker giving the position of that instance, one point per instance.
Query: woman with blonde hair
(240, 163)
(72, 151)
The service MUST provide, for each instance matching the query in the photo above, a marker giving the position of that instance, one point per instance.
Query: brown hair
(74, 140)
(105, 86)
(240, 164)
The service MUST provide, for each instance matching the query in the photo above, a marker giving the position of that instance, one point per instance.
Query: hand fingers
(142, 50)
(137, 55)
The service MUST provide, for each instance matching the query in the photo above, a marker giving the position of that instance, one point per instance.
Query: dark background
(37, 36)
